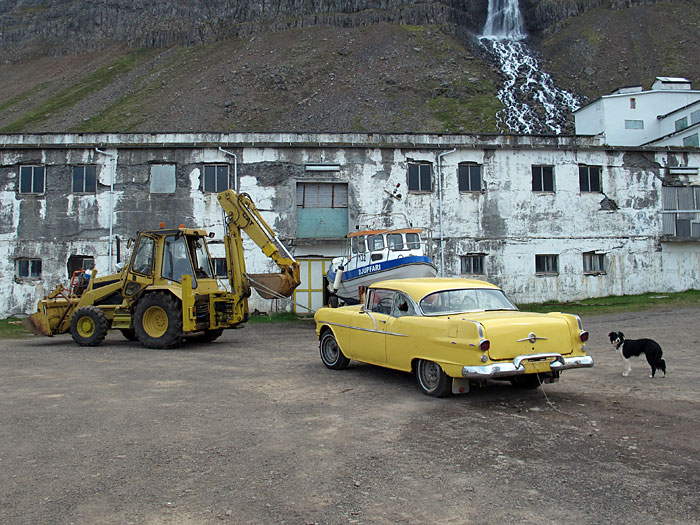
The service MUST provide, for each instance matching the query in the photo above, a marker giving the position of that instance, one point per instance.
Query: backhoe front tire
(129, 334)
(158, 321)
(89, 326)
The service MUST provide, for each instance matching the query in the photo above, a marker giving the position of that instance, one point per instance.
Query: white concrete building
(545, 217)
(666, 115)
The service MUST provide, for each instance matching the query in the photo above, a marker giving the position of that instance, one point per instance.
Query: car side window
(381, 301)
(402, 306)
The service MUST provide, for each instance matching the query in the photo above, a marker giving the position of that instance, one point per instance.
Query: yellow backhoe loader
(168, 289)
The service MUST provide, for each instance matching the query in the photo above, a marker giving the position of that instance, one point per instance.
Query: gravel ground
(253, 429)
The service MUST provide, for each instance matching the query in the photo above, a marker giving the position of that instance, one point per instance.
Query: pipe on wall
(113, 169)
(442, 244)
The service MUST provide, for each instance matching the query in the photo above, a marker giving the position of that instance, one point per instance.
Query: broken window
(215, 178)
(32, 179)
(469, 177)
(80, 262)
(28, 268)
(419, 176)
(681, 217)
(163, 178)
(543, 178)
(84, 179)
(472, 264)
(593, 263)
(589, 178)
(547, 264)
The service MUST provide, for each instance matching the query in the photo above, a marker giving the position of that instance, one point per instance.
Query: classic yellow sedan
(450, 333)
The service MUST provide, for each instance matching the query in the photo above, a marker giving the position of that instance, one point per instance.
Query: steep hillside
(311, 65)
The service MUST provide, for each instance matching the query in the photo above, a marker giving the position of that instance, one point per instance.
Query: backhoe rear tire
(89, 326)
(158, 321)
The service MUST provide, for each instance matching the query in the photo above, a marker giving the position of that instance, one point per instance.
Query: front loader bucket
(37, 324)
(272, 285)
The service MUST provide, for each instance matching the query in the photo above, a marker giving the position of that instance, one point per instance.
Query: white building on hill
(666, 115)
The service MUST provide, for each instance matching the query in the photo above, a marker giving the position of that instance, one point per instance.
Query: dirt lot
(253, 429)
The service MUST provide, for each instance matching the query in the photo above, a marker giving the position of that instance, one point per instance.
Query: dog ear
(611, 335)
(620, 335)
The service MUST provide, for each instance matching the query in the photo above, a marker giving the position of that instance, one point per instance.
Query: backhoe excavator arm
(241, 214)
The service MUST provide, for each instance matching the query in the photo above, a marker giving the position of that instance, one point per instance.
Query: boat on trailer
(377, 255)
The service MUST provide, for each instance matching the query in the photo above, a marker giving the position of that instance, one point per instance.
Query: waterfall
(533, 104)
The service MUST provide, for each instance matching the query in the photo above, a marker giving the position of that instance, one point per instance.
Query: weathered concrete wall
(506, 221)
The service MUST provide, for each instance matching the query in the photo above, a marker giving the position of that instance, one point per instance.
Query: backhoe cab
(168, 290)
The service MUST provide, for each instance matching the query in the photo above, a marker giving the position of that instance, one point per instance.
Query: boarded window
(469, 177)
(589, 178)
(419, 177)
(32, 179)
(84, 179)
(547, 264)
(163, 178)
(322, 210)
(543, 178)
(215, 178)
(28, 268)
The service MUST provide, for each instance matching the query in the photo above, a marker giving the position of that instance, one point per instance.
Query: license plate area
(539, 366)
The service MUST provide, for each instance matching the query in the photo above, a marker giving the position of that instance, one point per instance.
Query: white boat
(377, 255)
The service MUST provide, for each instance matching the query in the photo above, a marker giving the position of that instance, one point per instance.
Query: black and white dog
(635, 347)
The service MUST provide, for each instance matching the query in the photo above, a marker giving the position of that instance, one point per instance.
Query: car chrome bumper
(517, 366)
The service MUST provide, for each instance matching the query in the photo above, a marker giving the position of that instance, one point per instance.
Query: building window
(78, 263)
(691, 140)
(589, 178)
(547, 264)
(84, 179)
(633, 103)
(593, 263)
(215, 178)
(219, 266)
(543, 178)
(28, 268)
(681, 123)
(32, 179)
(419, 177)
(469, 177)
(681, 217)
(322, 210)
(472, 264)
(695, 116)
(163, 178)
(634, 124)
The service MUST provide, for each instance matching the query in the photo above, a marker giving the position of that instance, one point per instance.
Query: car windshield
(466, 300)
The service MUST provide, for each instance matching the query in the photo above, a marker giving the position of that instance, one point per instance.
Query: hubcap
(330, 350)
(430, 374)
(155, 321)
(86, 326)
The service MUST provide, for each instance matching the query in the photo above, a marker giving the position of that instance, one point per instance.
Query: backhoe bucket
(272, 285)
(37, 324)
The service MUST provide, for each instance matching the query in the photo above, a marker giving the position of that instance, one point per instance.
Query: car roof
(418, 288)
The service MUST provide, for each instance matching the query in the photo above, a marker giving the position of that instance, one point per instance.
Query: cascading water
(533, 104)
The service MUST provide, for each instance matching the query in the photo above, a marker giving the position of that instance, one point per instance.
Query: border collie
(635, 347)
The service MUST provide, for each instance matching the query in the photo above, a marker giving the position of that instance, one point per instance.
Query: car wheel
(432, 379)
(527, 382)
(158, 321)
(89, 326)
(331, 354)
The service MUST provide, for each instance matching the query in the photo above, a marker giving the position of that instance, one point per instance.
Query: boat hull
(356, 279)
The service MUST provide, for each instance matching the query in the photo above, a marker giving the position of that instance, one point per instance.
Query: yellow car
(451, 332)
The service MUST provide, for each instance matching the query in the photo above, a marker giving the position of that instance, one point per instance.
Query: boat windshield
(395, 242)
(358, 245)
(412, 241)
(466, 300)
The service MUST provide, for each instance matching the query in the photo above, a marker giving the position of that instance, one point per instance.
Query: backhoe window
(202, 261)
(176, 262)
(143, 257)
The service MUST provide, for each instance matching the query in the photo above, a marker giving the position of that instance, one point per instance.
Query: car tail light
(583, 336)
(484, 345)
